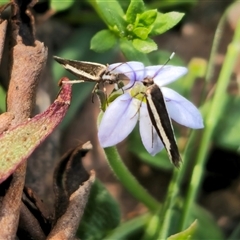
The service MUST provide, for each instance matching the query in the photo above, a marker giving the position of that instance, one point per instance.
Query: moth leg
(94, 90)
(143, 96)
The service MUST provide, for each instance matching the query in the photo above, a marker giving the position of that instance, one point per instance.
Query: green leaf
(165, 22)
(101, 214)
(111, 13)
(144, 46)
(103, 41)
(131, 53)
(141, 32)
(226, 134)
(207, 227)
(135, 7)
(147, 18)
(58, 6)
(186, 234)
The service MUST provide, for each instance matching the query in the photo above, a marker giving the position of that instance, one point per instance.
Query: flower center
(138, 91)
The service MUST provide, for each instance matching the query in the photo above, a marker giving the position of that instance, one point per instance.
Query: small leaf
(18, 143)
(58, 6)
(141, 32)
(111, 13)
(131, 53)
(135, 7)
(103, 41)
(147, 18)
(165, 22)
(186, 234)
(145, 46)
(101, 214)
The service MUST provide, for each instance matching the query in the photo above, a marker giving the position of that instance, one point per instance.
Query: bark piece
(67, 224)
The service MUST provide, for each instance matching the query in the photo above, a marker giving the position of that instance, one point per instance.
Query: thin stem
(129, 227)
(216, 109)
(216, 41)
(211, 63)
(167, 211)
(128, 181)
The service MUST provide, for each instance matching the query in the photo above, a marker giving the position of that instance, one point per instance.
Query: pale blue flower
(123, 113)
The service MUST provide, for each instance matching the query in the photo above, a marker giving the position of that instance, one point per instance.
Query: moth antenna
(172, 55)
(170, 58)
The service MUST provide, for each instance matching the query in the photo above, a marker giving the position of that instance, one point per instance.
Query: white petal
(163, 75)
(150, 139)
(118, 121)
(181, 110)
(133, 70)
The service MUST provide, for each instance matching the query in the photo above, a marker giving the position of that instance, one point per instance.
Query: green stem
(128, 181)
(128, 228)
(216, 41)
(216, 109)
(178, 176)
(167, 212)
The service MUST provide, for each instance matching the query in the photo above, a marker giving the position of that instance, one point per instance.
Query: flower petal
(118, 121)
(181, 110)
(163, 75)
(149, 136)
(133, 70)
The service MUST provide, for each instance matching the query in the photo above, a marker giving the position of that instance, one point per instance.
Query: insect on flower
(143, 99)
(151, 104)
(90, 71)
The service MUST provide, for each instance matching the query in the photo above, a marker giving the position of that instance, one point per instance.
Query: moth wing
(88, 71)
(162, 123)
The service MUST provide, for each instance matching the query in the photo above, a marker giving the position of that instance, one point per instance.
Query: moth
(161, 121)
(90, 71)
(159, 116)
(99, 73)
